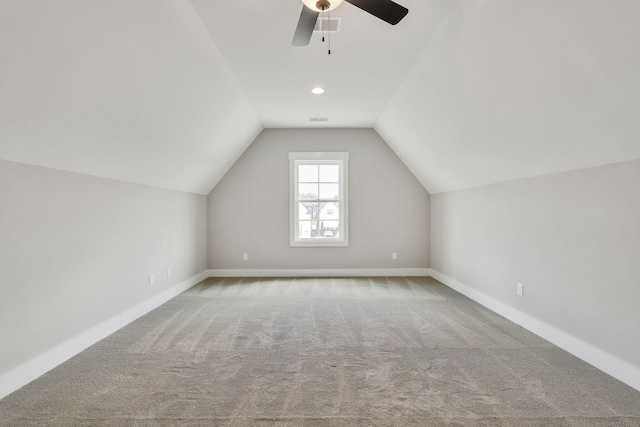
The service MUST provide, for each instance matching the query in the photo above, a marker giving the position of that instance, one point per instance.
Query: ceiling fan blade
(306, 24)
(384, 9)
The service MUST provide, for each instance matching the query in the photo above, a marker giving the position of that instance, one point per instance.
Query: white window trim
(315, 157)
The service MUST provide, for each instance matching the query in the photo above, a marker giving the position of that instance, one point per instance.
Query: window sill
(322, 244)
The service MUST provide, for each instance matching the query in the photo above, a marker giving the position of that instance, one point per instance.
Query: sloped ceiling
(513, 89)
(129, 90)
(169, 93)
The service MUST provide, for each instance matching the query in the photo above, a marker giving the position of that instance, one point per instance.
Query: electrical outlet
(245, 257)
(152, 279)
(394, 255)
(168, 272)
(520, 289)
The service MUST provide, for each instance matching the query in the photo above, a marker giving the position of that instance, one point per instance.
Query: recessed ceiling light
(317, 91)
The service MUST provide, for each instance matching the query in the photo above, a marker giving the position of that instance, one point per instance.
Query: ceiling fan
(386, 10)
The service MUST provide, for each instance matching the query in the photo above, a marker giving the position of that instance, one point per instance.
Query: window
(319, 205)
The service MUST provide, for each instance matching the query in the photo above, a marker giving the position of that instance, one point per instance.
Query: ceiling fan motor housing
(323, 4)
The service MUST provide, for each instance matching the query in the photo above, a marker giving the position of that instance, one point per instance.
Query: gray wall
(249, 208)
(76, 250)
(573, 240)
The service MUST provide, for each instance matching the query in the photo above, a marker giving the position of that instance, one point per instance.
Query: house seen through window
(319, 205)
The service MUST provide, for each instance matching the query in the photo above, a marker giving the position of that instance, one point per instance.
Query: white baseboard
(319, 272)
(30, 370)
(25, 373)
(39, 365)
(606, 362)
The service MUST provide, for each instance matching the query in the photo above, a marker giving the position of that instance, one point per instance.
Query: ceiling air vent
(331, 25)
(318, 119)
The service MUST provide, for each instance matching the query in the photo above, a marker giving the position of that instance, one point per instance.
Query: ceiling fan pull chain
(329, 30)
(322, 25)
(323, 30)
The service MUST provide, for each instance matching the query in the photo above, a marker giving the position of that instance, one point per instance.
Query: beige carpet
(323, 352)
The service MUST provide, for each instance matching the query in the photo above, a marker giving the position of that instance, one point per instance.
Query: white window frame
(333, 158)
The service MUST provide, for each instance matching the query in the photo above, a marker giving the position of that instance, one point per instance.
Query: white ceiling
(368, 62)
(169, 93)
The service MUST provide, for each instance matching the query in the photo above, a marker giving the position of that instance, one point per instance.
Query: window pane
(307, 210)
(307, 191)
(308, 229)
(329, 229)
(307, 173)
(304, 229)
(329, 173)
(329, 211)
(330, 191)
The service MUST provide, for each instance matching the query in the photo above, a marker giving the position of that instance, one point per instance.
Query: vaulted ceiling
(170, 93)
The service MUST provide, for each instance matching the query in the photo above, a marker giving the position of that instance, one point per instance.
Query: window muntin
(319, 214)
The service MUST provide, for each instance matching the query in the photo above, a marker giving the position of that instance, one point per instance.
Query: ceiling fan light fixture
(387, 10)
(317, 91)
(315, 5)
